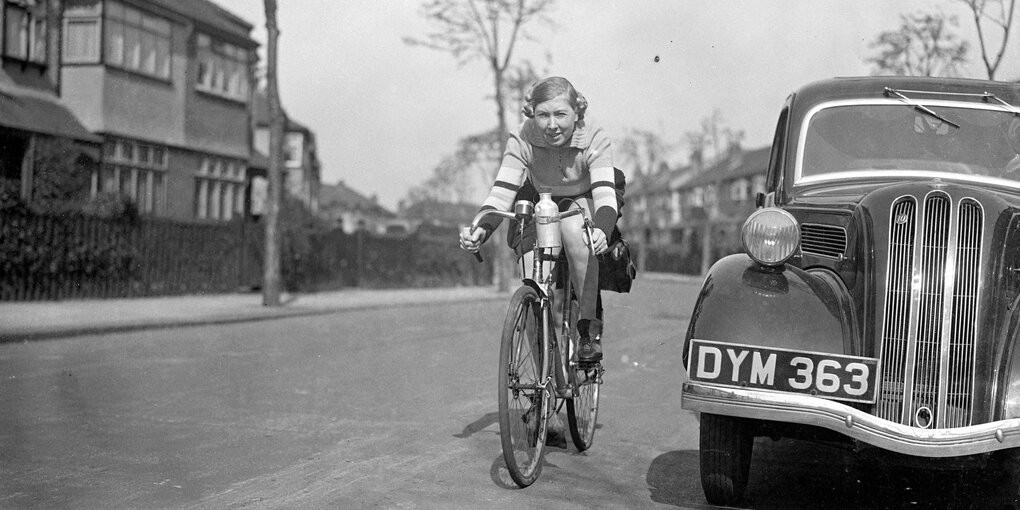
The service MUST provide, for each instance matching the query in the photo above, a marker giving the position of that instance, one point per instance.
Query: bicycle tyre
(583, 408)
(523, 403)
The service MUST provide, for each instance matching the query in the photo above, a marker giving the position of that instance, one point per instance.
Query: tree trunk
(272, 269)
(502, 263)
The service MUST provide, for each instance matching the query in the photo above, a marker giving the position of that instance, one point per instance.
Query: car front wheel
(726, 445)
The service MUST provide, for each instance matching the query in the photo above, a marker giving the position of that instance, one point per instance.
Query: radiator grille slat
(901, 254)
(825, 240)
(928, 358)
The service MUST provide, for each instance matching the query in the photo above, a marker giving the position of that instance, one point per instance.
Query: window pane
(81, 43)
(228, 201)
(148, 46)
(239, 198)
(38, 53)
(16, 32)
(109, 178)
(158, 157)
(157, 194)
(127, 151)
(163, 58)
(125, 182)
(201, 198)
(114, 43)
(204, 73)
(132, 48)
(214, 200)
(142, 191)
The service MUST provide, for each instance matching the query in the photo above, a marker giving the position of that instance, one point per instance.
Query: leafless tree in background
(271, 280)
(923, 45)
(999, 15)
(488, 30)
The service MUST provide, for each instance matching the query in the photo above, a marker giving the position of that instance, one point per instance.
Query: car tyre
(726, 446)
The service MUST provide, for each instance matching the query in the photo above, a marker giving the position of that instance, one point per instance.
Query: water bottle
(547, 222)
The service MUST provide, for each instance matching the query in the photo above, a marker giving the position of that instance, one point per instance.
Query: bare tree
(643, 150)
(488, 30)
(923, 45)
(451, 181)
(999, 15)
(483, 29)
(272, 269)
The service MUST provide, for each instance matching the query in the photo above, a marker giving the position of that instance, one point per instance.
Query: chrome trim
(899, 299)
(851, 422)
(798, 169)
(823, 240)
(928, 340)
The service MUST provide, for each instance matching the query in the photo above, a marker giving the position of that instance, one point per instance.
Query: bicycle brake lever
(588, 231)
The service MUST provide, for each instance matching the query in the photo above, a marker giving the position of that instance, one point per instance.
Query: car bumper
(841, 418)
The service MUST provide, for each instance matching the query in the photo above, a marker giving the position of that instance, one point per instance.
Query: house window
(25, 30)
(137, 171)
(137, 41)
(219, 189)
(698, 197)
(81, 31)
(740, 190)
(222, 68)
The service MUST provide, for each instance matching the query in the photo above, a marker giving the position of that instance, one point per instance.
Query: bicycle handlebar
(515, 216)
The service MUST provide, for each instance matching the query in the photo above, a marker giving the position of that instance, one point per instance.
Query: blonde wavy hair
(550, 88)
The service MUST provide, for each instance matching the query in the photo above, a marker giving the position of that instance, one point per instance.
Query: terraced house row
(157, 98)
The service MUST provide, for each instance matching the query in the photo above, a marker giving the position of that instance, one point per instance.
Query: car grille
(824, 240)
(930, 311)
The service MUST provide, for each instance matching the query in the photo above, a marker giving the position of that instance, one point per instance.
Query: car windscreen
(894, 138)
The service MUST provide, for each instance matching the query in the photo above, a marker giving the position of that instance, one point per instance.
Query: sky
(386, 113)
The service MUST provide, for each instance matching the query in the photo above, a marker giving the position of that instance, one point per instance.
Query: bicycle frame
(545, 285)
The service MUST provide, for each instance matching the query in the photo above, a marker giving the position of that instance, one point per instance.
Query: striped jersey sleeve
(509, 180)
(599, 156)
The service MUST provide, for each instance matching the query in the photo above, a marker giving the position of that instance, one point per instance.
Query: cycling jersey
(585, 165)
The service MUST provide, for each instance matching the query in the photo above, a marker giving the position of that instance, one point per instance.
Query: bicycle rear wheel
(523, 401)
(583, 409)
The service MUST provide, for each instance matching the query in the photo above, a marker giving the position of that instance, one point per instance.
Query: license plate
(832, 376)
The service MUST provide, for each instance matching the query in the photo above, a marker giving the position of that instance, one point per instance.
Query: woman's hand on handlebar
(598, 241)
(472, 241)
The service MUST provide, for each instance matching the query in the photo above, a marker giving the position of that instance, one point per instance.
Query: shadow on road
(673, 479)
(796, 474)
(478, 425)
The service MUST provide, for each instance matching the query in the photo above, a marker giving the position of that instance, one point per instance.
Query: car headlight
(770, 236)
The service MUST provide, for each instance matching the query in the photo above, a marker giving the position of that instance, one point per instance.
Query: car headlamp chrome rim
(770, 236)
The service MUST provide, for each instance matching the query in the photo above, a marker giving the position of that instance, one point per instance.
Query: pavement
(36, 320)
(39, 320)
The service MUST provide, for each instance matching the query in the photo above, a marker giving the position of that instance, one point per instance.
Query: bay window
(25, 30)
(137, 41)
(137, 171)
(219, 189)
(222, 68)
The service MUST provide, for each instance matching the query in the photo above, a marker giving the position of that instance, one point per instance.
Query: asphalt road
(383, 408)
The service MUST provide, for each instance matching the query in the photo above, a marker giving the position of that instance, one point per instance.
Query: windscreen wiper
(921, 107)
(989, 95)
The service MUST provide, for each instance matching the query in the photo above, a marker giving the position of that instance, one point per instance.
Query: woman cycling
(562, 153)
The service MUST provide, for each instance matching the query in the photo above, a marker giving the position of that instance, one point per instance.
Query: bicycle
(536, 378)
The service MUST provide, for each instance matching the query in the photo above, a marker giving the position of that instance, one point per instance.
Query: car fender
(741, 302)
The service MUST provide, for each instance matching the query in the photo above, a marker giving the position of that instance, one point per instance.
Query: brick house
(301, 167)
(676, 210)
(31, 113)
(166, 85)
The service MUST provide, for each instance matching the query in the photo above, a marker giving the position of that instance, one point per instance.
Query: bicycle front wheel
(524, 400)
(583, 409)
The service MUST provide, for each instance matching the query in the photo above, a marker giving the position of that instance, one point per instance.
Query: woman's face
(556, 119)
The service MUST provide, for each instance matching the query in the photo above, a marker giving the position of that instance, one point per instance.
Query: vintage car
(877, 301)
